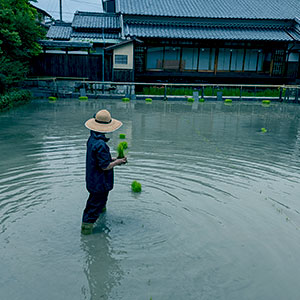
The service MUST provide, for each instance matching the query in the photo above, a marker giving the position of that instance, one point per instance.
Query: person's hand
(122, 161)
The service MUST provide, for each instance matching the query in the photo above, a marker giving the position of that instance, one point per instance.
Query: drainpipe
(103, 55)
(122, 26)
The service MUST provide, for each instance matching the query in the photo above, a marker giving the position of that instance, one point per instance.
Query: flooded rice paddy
(218, 216)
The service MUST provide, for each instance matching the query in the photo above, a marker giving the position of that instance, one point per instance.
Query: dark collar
(99, 136)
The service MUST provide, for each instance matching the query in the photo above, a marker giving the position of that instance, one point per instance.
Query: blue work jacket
(98, 157)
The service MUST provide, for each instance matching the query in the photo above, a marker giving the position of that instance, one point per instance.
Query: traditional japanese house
(220, 41)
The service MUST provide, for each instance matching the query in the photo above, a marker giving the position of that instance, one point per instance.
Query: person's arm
(116, 162)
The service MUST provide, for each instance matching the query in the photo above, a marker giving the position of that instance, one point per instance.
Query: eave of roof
(208, 32)
(95, 20)
(242, 9)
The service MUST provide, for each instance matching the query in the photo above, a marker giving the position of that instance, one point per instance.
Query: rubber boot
(87, 228)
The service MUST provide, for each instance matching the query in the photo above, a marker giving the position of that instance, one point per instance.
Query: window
(121, 59)
(224, 59)
(251, 60)
(172, 58)
(189, 58)
(206, 59)
(155, 57)
(237, 57)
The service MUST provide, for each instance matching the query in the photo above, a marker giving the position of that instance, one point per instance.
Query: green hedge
(209, 91)
(14, 98)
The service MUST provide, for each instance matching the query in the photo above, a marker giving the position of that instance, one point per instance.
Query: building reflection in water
(101, 268)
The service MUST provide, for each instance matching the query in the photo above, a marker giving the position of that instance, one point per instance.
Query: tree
(19, 36)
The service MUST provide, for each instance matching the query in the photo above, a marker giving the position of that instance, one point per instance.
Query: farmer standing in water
(99, 167)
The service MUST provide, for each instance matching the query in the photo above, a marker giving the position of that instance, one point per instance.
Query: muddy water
(218, 217)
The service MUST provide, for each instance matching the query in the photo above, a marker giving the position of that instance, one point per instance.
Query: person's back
(99, 167)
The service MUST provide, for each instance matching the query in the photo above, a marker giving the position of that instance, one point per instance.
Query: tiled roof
(243, 9)
(60, 32)
(207, 32)
(94, 35)
(95, 20)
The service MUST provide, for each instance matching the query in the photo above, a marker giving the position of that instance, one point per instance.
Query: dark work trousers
(94, 206)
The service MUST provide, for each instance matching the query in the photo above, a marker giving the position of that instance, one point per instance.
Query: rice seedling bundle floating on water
(83, 98)
(264, 130)
(228, 101)
(122, 136)
(136, 186)
(266, 101)
(148, 100)
(125, 99)
(190, 99)
(201, 99)
(52, 98)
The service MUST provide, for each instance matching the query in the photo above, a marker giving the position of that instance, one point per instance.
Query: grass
(125, 99)
(122, 136)
(136, 186)
(210, 91)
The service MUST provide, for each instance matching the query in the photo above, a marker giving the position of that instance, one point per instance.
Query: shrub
(136, 186)
(122, 136)
(14, 98)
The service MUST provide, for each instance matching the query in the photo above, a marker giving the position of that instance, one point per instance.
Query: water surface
(218, 217)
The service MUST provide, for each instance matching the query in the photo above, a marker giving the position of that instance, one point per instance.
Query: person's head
(103, 122)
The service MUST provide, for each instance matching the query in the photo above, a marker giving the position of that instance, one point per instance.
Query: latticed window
(121, 59)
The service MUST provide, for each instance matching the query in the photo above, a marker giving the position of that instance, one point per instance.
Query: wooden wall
(70, 65)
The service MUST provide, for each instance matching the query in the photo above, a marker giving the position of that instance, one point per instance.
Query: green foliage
(148, 100)
(52, 98)
(124, 145)
(136, 186)
(201, 99)
(14, 98)
(83, 98)
(19, 35)
(125, 99)
(190, 99)
(264, 130)
(120, 150)
(266, 101)
(122, 136)
(228, 101)
(210, 91)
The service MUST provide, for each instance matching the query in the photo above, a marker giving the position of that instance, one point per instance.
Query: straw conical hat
(103, 122)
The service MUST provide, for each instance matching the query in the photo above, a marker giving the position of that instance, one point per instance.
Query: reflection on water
(101, 268)
(218, 217)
